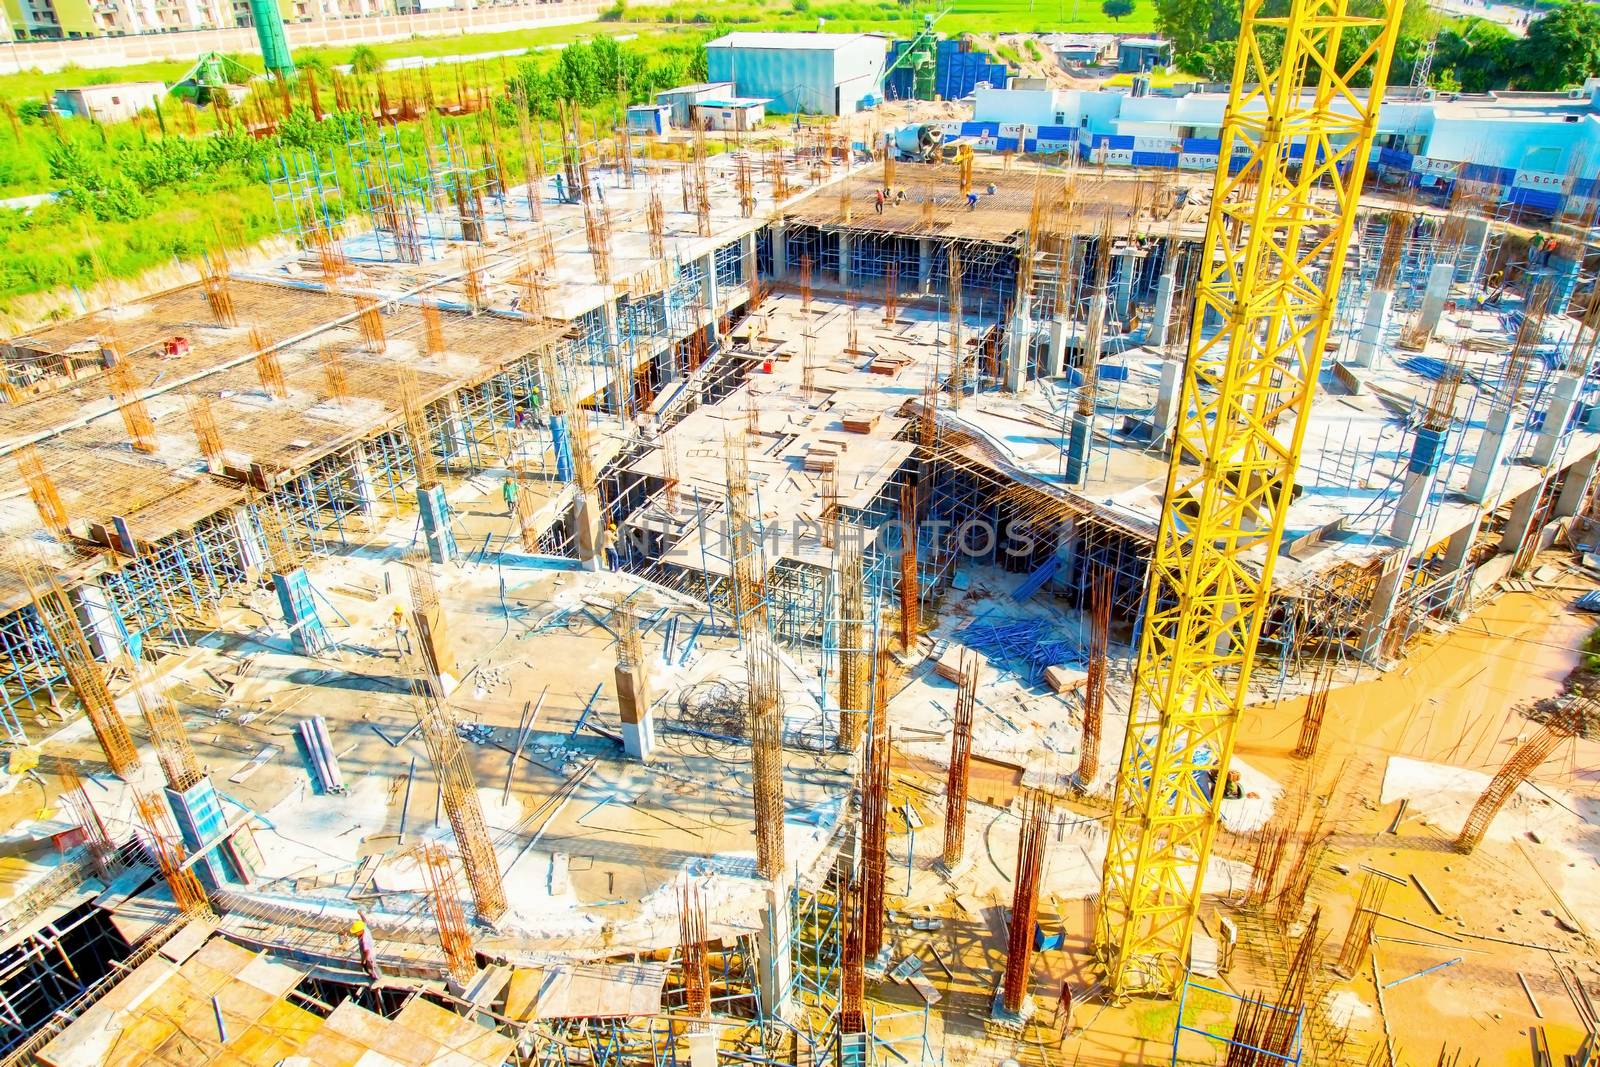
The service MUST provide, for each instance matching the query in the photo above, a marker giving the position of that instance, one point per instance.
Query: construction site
(789, 605)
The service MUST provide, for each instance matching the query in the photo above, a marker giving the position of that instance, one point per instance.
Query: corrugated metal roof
(830, 42)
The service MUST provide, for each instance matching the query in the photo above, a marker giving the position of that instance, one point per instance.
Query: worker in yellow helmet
(369, 949)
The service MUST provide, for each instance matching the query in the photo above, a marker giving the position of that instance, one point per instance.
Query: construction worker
(402, 635)
(877, 200)
(972, 201)
(611, 546)
(369, 949)
(508, 491)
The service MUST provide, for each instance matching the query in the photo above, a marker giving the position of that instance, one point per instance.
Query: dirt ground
(1436, 726)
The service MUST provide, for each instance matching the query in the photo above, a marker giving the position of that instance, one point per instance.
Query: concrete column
(1491, 454)
(361, 481)
(1127, 270)
(1563, 398)
(708, 264)
(561, 445)
(924, 263)
(436, 532)
(1563, 277)
(1019, 346)
(747, 251)
(456, 427)
(1576, 485)
(1078, 438)
(1168, 396)
(780, 250)
(1373, 326)
(634, 709)
(844, 261)
(590, 533)
(1461, 542)
(1413, 504)
(198, 815)
(1161, 317)
(1440, 277)
(300, 611)
(774, 958)
(1056, 359)
(1384, 597)
(93, 607)
(252, 550)
(1420, 476)
(1522, 512)
(1067, 546)
(1475, 235)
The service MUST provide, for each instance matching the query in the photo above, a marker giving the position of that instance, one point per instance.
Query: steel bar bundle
(854, 680)
(1358, 939)
(176, 754)
(83, 672)
(955, 816)
(1025, 902)
(852, 978)
(748, 603)
(460, 799)
(1094, 690)
(910, 587)
(1521, 763)
(269, 372)
(766, 748)
(42, 490)
(124, 387)
(333, 373)
(692, 955)
(1316, 710)
(444, 896)
(102, 852)
(875, 815)
(208, 438)
(187, 892)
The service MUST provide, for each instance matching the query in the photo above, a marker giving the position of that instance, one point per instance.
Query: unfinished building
(541, 575)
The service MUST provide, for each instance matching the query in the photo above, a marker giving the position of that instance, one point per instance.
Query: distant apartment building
(62, 19)
(51, 19)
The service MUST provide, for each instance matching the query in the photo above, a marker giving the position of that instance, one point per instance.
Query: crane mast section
(1297, 134)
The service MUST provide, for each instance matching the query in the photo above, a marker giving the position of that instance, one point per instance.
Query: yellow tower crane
(1274, 250)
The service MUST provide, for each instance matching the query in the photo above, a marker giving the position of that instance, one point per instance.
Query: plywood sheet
(601, 990)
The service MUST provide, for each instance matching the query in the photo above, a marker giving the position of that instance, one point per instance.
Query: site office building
(801, 73)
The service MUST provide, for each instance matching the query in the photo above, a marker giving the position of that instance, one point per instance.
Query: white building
(108, 103)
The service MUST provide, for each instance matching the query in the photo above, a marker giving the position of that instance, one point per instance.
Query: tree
(1561, 49)
(1186, 23)
(1116, 9)
(365, 60)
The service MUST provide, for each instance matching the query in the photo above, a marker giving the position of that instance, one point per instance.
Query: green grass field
(654, 23)
(133, 212)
